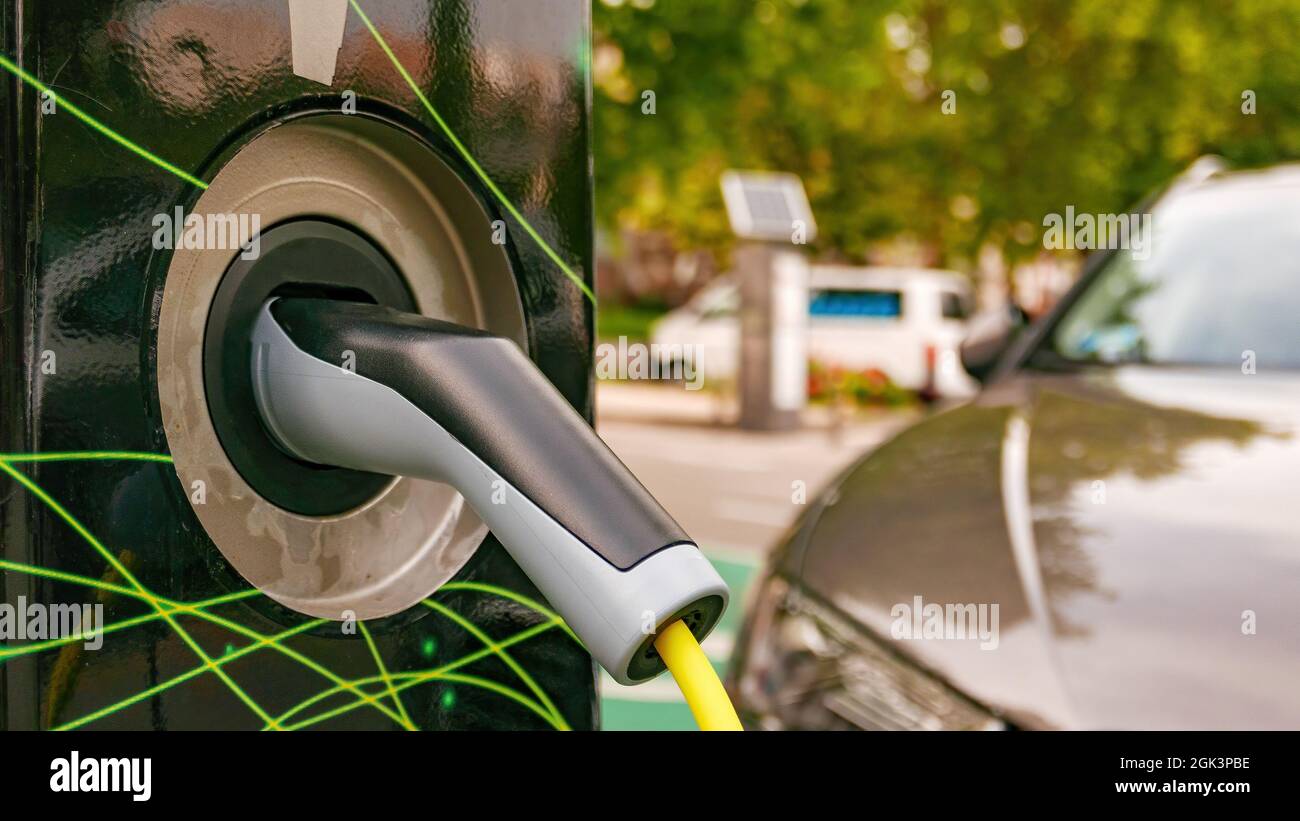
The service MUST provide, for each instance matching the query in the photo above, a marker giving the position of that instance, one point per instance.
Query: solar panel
(768, 206)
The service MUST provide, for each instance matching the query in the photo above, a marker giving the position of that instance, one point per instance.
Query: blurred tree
(1090, 103)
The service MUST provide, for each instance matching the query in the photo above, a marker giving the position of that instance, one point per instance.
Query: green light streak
(100, 127)
(383, 671)
(261, 641)
(104, 552)
(184, 677)
(306, 662)
(72, 578)
(191, 610)
(166, 609)
(427, 675)
(469, 627)
(7, 653)
(469, 158)
(51, 644)
(532, 604)
(86, 456)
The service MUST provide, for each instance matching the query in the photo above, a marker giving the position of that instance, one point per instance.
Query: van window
(954, 305)
(837, 302)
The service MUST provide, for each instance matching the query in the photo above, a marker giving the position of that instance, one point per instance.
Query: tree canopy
(1053, 103)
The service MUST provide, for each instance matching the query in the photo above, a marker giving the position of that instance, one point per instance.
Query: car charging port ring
(390, 203)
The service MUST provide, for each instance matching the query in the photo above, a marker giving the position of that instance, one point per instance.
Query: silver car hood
(1137, 528)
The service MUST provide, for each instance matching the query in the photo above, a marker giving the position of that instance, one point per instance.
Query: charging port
(303, 258)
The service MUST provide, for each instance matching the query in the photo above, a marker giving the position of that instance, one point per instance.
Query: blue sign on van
(856, 303)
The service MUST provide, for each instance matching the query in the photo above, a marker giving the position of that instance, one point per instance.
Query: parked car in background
(1106, 537)
(906, 322)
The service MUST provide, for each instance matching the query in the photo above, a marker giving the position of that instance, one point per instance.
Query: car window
(1218, 281)
(870, 303)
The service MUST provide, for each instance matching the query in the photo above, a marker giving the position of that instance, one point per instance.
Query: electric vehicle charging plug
(369, 388)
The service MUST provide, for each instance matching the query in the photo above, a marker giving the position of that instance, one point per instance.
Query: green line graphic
(107, 555)
(184, 677)
(98, 126)
(86, 455)
(52, 644)
(505, 657)
(383, 671)
(169, 610)
(273, 642)
(531, 604)
(469, 158)
(191, 610)
(425, 677)
(420, 677)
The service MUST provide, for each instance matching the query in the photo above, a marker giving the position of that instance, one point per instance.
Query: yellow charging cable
(695, 676)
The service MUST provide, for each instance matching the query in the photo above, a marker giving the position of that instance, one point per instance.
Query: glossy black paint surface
(190, 81)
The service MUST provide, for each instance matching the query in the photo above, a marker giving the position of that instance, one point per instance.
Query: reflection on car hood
(1137, 528)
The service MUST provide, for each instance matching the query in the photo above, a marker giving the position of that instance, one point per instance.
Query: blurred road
(734, 491)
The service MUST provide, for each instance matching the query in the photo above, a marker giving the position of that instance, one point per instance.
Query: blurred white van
(907, 322)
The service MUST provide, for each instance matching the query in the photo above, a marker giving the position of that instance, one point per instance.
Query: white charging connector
(438, 401)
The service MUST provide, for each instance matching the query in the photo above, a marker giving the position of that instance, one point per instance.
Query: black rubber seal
(302, 258)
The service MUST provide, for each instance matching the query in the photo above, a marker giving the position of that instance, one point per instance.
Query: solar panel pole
(773, 283)
(770, 212)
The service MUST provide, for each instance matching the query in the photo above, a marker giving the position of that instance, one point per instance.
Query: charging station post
(771, 213)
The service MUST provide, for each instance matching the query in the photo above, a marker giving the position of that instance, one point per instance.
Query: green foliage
(632, 321)
(1090, 103)
(866, 387)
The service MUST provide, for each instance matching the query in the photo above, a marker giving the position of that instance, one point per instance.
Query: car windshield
(1216, 282)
